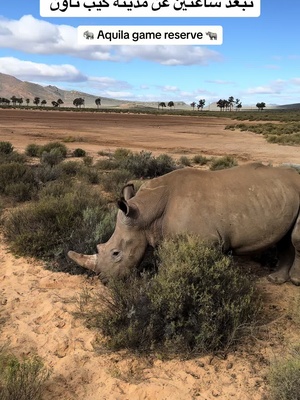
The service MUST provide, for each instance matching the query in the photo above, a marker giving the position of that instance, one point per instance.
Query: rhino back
(247, 208)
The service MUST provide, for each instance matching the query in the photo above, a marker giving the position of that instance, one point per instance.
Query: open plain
(37, 305)
(172, 134)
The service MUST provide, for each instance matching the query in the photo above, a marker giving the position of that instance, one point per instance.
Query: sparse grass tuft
(6, 148)
(114, 181)
(284, 377)
(122, 153)
(60, 147)
(139, 165)
(223, 162)
(53, 157)
(286, 133)
(185, 161)
(22, 380)
(33, 150)
(199, 159)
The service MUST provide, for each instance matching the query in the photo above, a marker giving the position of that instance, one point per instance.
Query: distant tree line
(223, 104)
(163, 105)
(200, 105)
(14, 100)
(226, 105)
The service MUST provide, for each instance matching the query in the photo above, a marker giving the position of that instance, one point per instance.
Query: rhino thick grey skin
(246, 209)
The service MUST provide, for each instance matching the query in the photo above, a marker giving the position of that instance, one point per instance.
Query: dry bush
(198, 302)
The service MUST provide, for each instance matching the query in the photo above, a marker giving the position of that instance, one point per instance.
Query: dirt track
(175, 135)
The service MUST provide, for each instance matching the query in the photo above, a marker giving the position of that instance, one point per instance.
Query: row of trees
(226, 105)
(200, 105)
(78, 102)
(163, 105)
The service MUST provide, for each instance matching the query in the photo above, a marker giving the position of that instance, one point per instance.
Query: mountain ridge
(12, 86)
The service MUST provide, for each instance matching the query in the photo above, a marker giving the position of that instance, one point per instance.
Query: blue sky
(259, 59)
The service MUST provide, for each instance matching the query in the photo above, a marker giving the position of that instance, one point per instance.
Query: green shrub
(6, 148)
(198, 302)
(65, 217)
(91, 175)
(22, 380)
(286, 133)
(53, 157)
(286, 139)
(139, 165)
(70, 168)
(56, 188)
(13, 157)
(144, 165)
(222, 163)
(17, 180)
(33, 150)
(108, 164)
(47, 148)
(104, 153)
(284, 378)
(114, 181)
(79, 153)
(88, 161)
(46, 173)
(121, 153)
(201, 160)
(20, 191)
(184, 160)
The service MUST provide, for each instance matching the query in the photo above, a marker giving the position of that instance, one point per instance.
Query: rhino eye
(116, 254)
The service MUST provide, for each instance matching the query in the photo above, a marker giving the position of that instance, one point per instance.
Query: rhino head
(126, 247)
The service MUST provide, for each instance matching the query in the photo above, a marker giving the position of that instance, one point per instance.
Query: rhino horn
(86, 261)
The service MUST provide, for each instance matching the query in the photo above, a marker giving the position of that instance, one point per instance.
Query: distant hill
(11, 86)
(290, 106)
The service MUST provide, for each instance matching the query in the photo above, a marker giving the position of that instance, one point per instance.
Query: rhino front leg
(295, 270)
(286, 256)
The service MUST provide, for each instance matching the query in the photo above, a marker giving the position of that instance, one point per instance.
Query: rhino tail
(86, 261)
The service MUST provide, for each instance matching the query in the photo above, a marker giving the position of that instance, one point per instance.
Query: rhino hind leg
(295, 270)
(286, 256)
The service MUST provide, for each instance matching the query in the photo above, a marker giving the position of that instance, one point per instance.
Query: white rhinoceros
(245, 209)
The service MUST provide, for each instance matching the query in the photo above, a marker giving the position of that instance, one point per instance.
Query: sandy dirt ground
(37, 305)
(175, 135)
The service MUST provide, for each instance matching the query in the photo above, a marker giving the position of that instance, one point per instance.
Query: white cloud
(295, 81)
(44, 73)
(35, 36)
(168, 88)
(220, 82)
(275, 87)
(171, 55)
(28, 70)
(117, 95)
(107, 82)
(272, 66)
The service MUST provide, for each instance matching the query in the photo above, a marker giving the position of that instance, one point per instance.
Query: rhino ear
(128, 191)
(128, 210)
